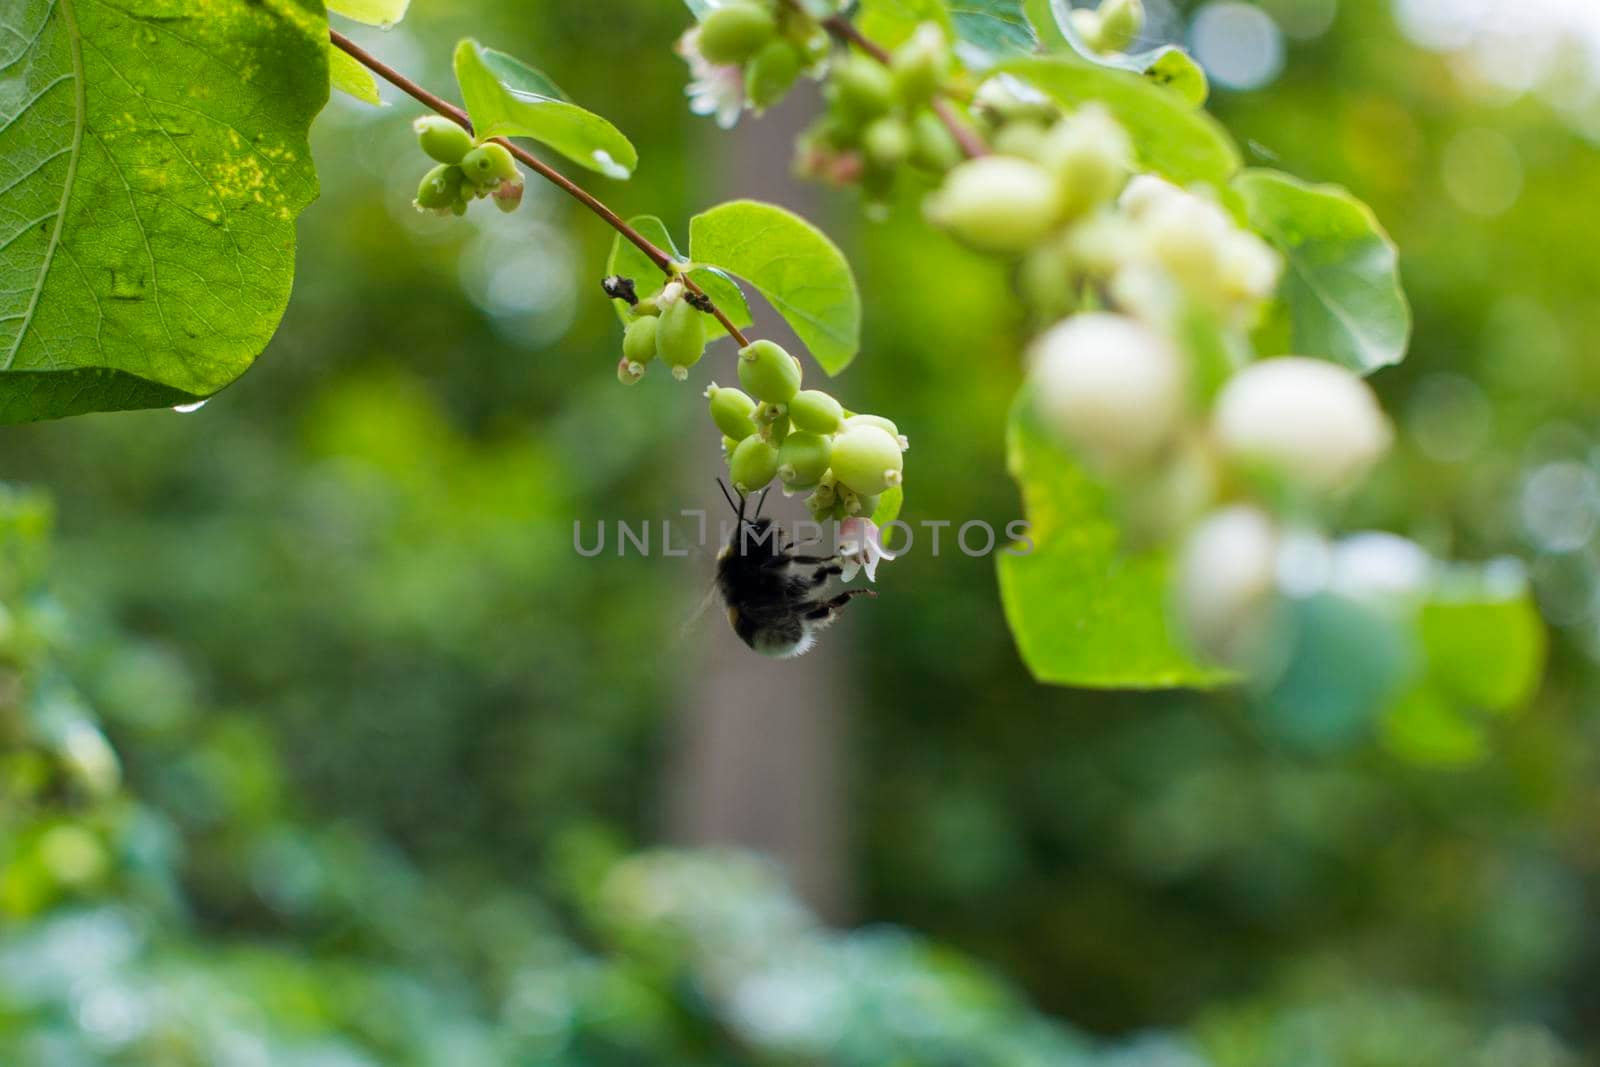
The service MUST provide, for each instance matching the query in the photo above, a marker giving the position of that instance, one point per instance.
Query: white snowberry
(1309, 421)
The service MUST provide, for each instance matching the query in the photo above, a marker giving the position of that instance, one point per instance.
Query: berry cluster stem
(842, 29)
(658, 256)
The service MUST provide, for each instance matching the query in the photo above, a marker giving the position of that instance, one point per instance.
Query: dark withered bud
(619, 288)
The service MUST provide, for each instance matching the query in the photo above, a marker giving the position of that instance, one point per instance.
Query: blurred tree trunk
(758, 759)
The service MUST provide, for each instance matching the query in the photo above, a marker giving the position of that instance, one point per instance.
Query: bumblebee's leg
(801, 585)
(828, 610)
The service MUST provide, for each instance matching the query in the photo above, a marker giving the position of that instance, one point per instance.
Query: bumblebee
(776, 599)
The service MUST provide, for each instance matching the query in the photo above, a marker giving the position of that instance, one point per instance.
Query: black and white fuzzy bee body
(775, 598)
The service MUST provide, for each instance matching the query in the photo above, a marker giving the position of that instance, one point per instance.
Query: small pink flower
(861, 547)
(713, 89)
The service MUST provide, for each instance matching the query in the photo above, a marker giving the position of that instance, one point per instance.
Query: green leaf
(1168, 65)
(1485, 649)
(889, 505)
(890, 22)
(802, 274)
(994, 27)
(1342, 281)
(1042, 17)
(626, 260)
(351, 78)
(1172, 138)
(508, 98)
(1085, 611)
(1175, 69)
(147, 250)
(383, 13)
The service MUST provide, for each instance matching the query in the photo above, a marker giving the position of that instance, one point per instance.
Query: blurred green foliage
(369, 761)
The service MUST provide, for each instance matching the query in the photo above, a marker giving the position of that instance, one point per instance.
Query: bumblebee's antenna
(761, 503)
(735, 508)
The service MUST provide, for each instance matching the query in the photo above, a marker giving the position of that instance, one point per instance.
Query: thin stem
(657, 255)
(843, 29)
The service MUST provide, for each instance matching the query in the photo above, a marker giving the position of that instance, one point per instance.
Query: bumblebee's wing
(697, 618)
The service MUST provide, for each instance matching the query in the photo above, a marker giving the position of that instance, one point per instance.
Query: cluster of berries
(668, 326)
(803, 437)
(880, 119)
(465, 172)
(1148, 293)
(749, 53)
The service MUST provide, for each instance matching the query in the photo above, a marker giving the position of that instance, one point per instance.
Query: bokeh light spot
(1239, 45)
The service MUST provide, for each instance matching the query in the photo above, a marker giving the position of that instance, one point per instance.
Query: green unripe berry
(442, 139)
(1121, 22)
(1022, 139)
(803, 458)
(440, 189)
(754, 464)
(814, 42)
(1091, 155)
(862, 88)
(772, 72)
(919, 66)
(734, 33)
(865, 505)
(639, 341)
(629, 372)
(814, 411)
(769, 373)
(867, 459)
(680, 338)
(998, 203)
(489, 164)
(887, 142)
(932, 146)
(1087, 23)
(879, 421)
(728, 445)
(731, 410)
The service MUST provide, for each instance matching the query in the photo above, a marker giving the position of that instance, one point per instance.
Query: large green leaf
(994, 27)
(628, 261)
(1342, 285)
(793, 264)
(383, 13)
(1083, 609)
(153, 158)
(1171, 137)
(508, 98)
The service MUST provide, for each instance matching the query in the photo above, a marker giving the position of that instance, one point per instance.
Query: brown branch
(657, 255)
(966, 137)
